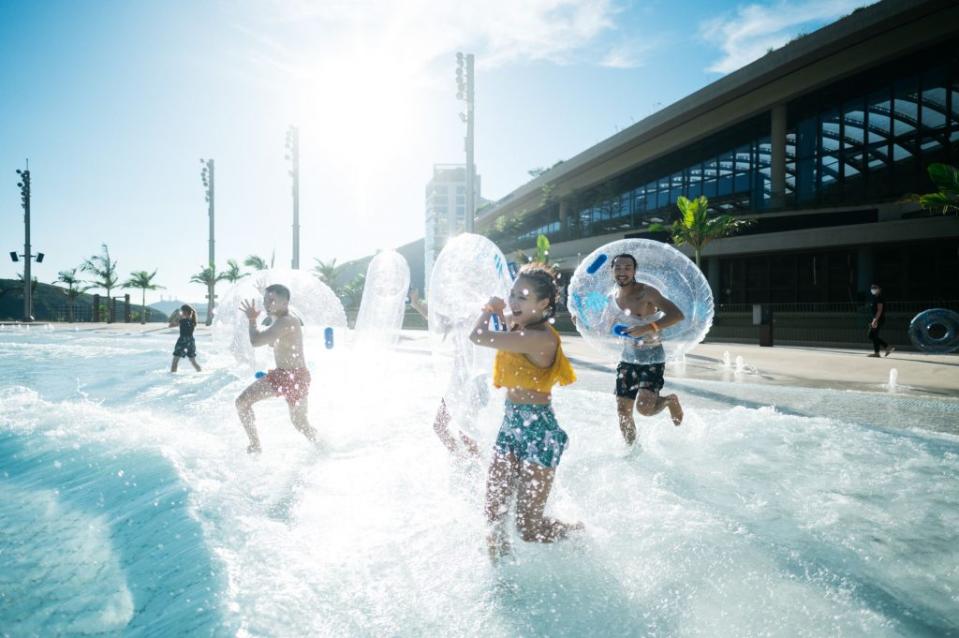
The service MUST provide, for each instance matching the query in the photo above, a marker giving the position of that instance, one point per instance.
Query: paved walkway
(834, 368)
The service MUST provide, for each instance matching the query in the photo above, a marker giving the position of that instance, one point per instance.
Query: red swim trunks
(292, 385)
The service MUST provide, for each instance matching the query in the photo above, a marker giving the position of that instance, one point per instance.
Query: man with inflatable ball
(639, 376)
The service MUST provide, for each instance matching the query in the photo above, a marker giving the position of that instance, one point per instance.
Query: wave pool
(128, 506)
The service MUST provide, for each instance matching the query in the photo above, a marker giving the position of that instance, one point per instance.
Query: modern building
(819, 142)
(445, 209)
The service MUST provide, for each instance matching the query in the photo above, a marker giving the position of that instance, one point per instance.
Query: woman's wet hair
(542, 279)
(189, 311)
(279, 290)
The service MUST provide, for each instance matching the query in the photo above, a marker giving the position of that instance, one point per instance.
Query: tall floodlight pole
(293, 154)
(464, 85)
(207, 174)
(28, 257)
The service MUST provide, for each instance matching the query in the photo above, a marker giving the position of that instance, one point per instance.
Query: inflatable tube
(935, 330)
(383, 305)
(311, 301)
(469, 270)
(592, 290)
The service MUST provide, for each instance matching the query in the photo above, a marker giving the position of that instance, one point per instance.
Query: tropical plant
(74, 289)
(696, 228)
(329, 273)
(946, 179)
(104, 271)
(144, 281)
(255, 262)
(209, 278)
(232, 272)
(352, 293)
(542, 249)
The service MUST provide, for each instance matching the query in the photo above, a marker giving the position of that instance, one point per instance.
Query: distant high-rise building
(445, 210)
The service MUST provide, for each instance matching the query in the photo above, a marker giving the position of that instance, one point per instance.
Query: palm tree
(208, 277)
(946, 179)
(69, 277)
(232, 273)
(329, 273)
(256, 262)
(352, 292)
(144, 281)
(104, 271)
(696, 228)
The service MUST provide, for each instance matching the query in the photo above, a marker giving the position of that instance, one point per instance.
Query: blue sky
(115, 103)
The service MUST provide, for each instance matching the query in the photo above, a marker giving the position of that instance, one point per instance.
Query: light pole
(28, 257)
(293, 154)
(464, 92)
(207, 175)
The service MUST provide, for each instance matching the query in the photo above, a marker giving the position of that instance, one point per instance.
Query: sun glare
(364, 107)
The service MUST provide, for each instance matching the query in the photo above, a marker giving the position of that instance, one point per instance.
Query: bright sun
(365, 107)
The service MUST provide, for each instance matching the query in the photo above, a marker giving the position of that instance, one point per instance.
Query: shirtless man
(290, 379)
(639, 376)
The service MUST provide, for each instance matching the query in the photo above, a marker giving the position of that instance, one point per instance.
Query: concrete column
(865, 268)
(778, 159)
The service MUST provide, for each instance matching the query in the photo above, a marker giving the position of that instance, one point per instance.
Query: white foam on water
(743, 522)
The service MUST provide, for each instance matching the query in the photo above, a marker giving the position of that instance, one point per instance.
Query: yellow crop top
(514, 370)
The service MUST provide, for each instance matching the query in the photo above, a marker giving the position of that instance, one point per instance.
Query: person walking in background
(878, 307)
(185, 346)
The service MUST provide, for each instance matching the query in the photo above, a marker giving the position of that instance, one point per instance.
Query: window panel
(900, 153)
(725, 166)
(625, 205)
(934, 99)
(710, 168)
(676, 187)
(854, 119)
(695, 189)
(905, 107)
(639, 200)
(662, 198)
(742, 168)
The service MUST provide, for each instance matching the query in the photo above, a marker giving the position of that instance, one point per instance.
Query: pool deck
(833, 368)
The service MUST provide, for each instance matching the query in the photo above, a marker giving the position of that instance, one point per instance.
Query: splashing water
(726, 360)
(893, 379)
(127, 506)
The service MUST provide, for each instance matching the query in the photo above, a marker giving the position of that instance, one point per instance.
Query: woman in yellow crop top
(530, 442)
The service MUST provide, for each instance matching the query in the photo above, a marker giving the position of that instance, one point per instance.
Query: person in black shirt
(878, 318)
(185, 346)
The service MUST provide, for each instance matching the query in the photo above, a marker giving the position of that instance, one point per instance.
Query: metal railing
(839, 306)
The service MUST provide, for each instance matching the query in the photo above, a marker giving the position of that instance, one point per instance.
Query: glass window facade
(866, 139)
(869, 139)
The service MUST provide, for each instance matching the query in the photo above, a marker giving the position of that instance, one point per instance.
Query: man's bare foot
(675, 410)
(254, 448)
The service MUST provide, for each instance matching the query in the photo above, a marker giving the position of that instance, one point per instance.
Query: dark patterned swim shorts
(633, 377)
